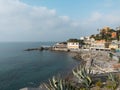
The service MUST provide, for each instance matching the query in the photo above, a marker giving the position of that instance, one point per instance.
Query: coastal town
(98, 52)
(59, 45)
(106, 40)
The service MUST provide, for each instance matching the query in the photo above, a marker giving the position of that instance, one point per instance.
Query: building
(81, 38)
(62, 46)
(105, 29)
(73, 45)
(113, 46)
(100, 45)
(88, 43)
(114, 35)
(87, 40)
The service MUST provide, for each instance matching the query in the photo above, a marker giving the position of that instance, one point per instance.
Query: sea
(19, 68)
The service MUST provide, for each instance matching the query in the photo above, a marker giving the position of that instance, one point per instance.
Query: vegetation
(112, 82)
(111, 55)
(119, 60)
(85, 81)
(76, 40)
(59, 84)
(107, 35)
(83, 75)
(73, 40)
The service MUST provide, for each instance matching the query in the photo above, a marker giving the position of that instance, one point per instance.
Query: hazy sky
(55, 20)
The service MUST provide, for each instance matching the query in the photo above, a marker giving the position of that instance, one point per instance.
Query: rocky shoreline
(38, 49)
(100, 61)
(101, 64)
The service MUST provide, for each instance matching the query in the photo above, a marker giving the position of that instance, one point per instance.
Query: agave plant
(114, 82)
(58, 84)
(111, 77)
(83, 74)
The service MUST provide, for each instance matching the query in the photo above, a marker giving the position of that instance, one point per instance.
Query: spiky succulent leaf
(83, 74)
(58, 84)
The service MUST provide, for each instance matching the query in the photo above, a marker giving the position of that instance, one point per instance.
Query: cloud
(95, 17)
(22, 22)
(100, 20)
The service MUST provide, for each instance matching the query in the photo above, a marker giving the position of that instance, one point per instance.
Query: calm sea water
(19, 68)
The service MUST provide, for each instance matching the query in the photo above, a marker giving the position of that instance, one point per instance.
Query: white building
(81, 38)
(73, 45)
(85, 38)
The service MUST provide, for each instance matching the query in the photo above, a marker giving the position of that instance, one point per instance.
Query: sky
(55, 20)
